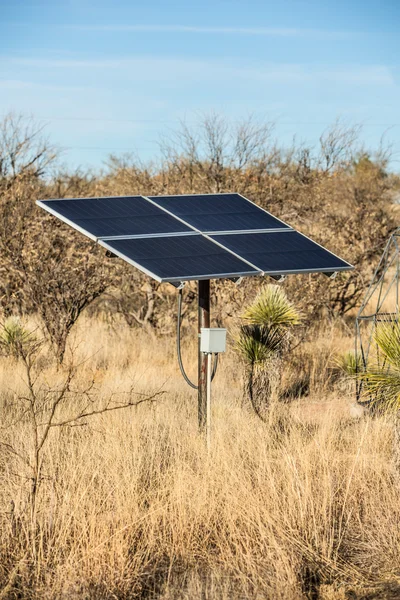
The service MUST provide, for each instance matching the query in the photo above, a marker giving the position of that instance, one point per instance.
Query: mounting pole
(208, 426)
(203, 321)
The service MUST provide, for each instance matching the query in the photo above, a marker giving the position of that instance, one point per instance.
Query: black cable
(178, 342)
(215, 365)
(178, 347)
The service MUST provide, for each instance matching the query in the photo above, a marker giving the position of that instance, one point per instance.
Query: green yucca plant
(267, 321)
(381, 381)
(257, 344)
(262, 340)
(15, 339)
(349, 364)
(272, 307)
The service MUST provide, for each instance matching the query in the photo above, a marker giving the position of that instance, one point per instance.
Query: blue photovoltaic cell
(282, 252)
(170, 250)
(219, 212)
(102, 217)
(182, 257)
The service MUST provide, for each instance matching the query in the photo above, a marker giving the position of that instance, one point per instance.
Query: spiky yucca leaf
(382, 387)
(382, 381)
(271, 307)
(348, 363)
(15, 338)
(257, 344)
(387, 337)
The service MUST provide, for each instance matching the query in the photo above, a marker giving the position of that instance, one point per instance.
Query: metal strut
(178, 347)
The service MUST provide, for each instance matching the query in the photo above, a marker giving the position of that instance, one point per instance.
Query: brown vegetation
(98, 502)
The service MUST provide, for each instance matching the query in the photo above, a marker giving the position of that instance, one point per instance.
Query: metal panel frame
(88, 198)
(239, 231)
(147, 235)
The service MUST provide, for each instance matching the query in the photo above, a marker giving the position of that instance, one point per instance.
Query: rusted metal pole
(203, 321)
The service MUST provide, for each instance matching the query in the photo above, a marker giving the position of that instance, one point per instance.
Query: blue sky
(112, 76)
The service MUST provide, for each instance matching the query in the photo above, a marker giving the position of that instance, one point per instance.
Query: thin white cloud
(55, 63)
(284, 32)
(170, 69)
(298, 74)
(17, 84)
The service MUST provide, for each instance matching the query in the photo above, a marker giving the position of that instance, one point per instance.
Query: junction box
(212, 340)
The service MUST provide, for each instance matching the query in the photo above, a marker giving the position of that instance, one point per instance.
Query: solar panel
(219, 212)
(282, 252)
(104, 217)
(179, 258)
(178, 238)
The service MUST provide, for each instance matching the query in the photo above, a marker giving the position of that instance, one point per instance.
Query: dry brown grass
(132, 506)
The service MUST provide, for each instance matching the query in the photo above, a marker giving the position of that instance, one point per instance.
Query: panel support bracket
(179, 285)
(236, 280)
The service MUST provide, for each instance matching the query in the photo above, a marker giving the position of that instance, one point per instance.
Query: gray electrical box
(212, 340)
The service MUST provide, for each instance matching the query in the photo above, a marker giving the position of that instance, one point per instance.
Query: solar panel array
(180, 238)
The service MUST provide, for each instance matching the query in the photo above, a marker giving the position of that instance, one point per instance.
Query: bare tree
(61, 290)
(24, 150)
(217, 153)
(337, 145)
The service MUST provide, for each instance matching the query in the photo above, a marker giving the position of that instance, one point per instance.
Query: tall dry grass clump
(131, 505)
